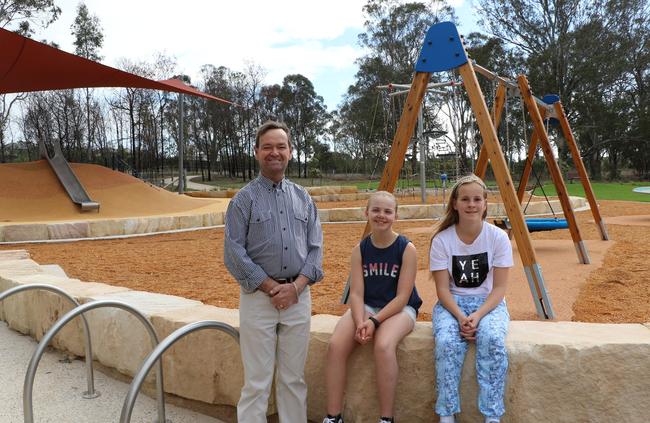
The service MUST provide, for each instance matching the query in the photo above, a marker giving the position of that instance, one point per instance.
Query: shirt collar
(269, 184)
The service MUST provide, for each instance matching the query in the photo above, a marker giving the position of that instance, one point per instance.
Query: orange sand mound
(31, 192)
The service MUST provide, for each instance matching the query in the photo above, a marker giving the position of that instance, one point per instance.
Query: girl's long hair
(451, 215)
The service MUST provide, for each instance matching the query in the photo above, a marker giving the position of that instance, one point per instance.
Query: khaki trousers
(273, 340)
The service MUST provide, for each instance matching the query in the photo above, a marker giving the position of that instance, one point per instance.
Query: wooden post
(528, 166)
(553, 167)
(580, 167)
(497, 109)
(400, 144)
(508, 195)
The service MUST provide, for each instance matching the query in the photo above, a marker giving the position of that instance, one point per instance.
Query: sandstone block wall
(559, 371)
(154, 224)
(106, 227)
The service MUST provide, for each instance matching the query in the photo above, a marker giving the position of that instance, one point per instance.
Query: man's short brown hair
(269, 125)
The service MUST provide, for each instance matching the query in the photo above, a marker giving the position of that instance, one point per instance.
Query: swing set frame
(443, 50)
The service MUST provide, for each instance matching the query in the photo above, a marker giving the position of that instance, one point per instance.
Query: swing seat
(546, 224)
(535, 224)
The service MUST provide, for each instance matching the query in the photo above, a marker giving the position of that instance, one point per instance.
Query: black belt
(287, 280)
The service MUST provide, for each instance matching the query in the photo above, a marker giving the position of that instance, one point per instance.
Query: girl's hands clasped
(469, 326)
(364, 332)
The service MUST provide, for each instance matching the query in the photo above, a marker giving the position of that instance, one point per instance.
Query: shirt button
(285, 267)
(281, 212)
(284, 229)
(286, 248)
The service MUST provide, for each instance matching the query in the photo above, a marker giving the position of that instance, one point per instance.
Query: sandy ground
(613, 288)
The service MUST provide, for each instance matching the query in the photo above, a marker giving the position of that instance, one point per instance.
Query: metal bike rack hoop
(28, 387)
(154, 357)
(90, 379)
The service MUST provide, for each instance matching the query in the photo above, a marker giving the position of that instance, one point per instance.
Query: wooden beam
(497, 109)
(506, 188)
(404, 131)
(528, 166)
(403, 135)
(582, 171)
(553, 167)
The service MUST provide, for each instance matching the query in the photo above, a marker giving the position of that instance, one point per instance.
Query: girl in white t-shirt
(469, 261)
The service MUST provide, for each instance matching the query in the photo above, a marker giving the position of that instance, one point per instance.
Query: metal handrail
(90, 379)
(154, 357)
(33, 364)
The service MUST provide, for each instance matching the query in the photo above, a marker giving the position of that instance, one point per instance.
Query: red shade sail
(27, 65)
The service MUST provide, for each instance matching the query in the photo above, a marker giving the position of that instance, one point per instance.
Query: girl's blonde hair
(384, 194)
(451, 215)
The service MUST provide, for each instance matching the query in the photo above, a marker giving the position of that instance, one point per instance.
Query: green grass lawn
(621, 191)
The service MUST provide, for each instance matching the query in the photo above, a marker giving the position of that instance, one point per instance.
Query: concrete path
(191, 185)
(58, 386)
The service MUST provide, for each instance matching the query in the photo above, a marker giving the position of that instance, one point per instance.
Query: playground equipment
(67, 177)
(549, 109)
(546, 224)
(536, 224)
(534, 105)
(443, 50)
(432, 88)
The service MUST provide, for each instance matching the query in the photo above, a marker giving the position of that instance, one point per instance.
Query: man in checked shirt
(273, 247)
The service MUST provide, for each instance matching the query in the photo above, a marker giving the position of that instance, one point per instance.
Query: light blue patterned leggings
(491, 357)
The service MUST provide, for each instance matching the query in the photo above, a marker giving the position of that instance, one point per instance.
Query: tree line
(594, 54)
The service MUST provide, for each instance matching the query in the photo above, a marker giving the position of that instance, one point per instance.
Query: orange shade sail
(27, 65)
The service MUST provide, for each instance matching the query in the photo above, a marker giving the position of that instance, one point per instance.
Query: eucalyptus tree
(393, 36)
(164, 67)
(131, 101)
(21, 15)
(595, 55)
(305, 113)
(221, 121)
(88, 40)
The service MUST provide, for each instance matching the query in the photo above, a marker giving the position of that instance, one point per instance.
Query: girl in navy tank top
(383, 307)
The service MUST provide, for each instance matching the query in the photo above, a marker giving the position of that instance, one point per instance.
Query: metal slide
(68, 179)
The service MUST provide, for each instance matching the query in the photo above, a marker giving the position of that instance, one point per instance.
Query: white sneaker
(447, 419)
(492, 420)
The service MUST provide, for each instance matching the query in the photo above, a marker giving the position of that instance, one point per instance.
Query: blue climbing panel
(442, 49)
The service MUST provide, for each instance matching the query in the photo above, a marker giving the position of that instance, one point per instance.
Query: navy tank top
(381, 270)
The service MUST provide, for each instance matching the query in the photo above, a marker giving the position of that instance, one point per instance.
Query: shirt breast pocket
(261, 227)
(301, 218)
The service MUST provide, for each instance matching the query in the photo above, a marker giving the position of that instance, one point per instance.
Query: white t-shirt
(471, 266)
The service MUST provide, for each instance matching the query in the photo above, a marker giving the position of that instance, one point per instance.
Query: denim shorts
(410, 311)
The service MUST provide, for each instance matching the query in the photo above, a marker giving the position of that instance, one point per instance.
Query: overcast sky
(315, 38)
